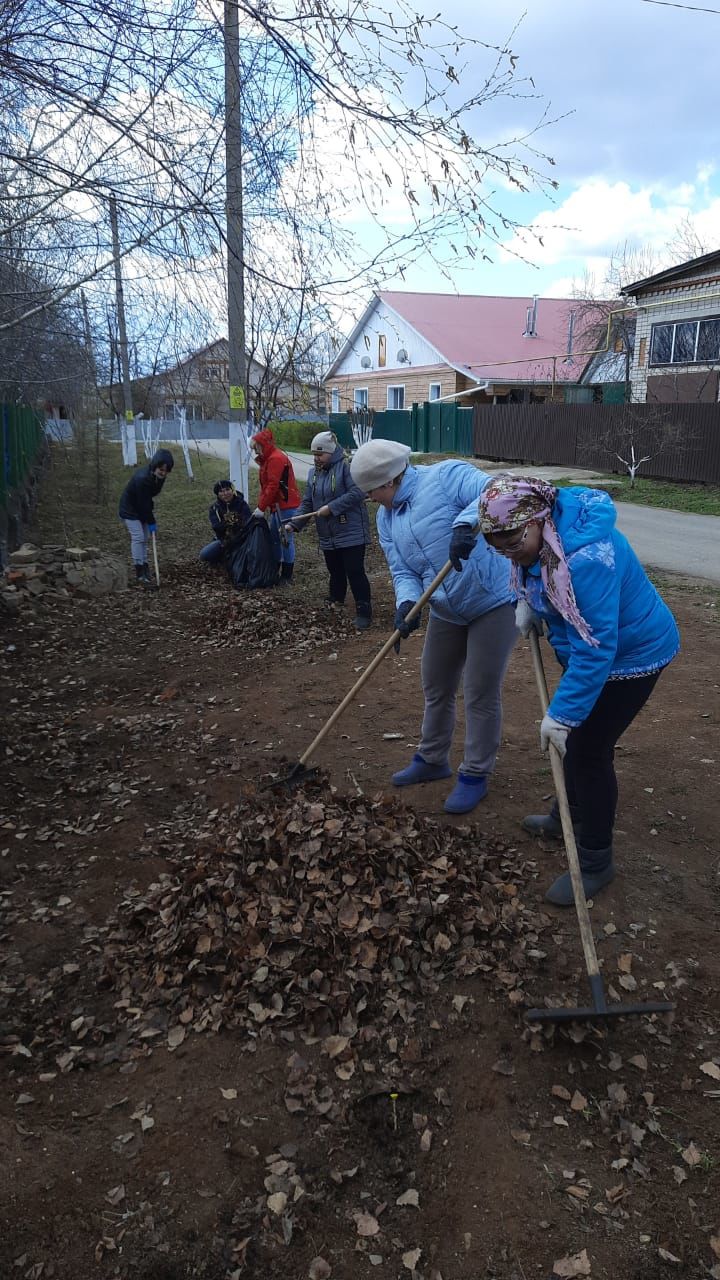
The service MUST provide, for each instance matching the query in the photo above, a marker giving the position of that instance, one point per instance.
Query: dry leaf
(521, 1136)
(561, 1122)
(639, 1061)
(627, 982)
(334, 1045)
(229, 1093)
(319, 1269)
(715, 1245)
(679, 1174)
(578, 1102)
(667, 1256)
(624, 963)
(411, 1258)
(691, 1155)
(559, 1091)
(575, 1264)
(410, 1197)
(277, 1202)
(176, 1035)
(711, 1069)
(115, 1195)
(366, 1224)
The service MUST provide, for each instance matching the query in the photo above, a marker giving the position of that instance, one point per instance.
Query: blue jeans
(283, 554)
(213, 552)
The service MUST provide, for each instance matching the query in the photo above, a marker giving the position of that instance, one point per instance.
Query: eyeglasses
(510, 545)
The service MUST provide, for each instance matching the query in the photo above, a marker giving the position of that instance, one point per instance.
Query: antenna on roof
(531, 319)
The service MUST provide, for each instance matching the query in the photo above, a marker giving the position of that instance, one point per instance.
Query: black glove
(462, 544)
(401, 625)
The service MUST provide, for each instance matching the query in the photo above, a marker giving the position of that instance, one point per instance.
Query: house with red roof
(412, 347)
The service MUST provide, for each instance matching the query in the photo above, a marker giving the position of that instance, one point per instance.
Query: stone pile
(33, 572)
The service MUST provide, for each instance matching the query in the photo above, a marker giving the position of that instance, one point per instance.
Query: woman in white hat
(342, 524)
(427, 516)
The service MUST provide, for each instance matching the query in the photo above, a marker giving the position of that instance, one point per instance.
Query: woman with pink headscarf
(575, 574)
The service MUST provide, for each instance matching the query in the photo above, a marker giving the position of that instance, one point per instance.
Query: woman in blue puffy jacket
(342, 524)
(612, 635)
(426, 516)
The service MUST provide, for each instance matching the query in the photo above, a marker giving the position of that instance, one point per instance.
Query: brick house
(676, 355)
(412, 347)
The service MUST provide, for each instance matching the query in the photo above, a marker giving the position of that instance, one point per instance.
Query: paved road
(672, 541)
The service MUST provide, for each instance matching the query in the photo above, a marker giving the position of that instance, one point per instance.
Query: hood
(583, 516)
(265, 440)
(163, 457)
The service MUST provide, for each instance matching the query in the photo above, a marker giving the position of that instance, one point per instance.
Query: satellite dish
(402, 356)
(366, 362)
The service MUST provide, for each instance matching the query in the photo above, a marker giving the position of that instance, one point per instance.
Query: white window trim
(366, 393)
(430, 394)
(395, 386)
(335, 400)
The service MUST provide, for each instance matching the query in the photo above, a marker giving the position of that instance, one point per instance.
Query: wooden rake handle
(581, 907)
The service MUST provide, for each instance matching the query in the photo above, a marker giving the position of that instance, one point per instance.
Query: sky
(635, 150)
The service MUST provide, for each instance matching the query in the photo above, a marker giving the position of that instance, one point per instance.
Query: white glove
(527, 620)
(258, 512)
(551, 731)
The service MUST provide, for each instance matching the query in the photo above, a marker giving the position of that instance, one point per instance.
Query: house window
(686, 342)
(396, 397)
(360, 397)
(434, 391)
(335, 400)
(382, 350)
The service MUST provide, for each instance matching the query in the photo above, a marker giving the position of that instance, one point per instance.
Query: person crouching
(227, 514)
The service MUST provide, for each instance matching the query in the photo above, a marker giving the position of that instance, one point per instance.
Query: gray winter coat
(348, 525)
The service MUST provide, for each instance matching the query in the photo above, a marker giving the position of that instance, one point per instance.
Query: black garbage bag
(250, 558)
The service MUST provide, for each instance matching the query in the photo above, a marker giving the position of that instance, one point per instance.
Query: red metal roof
(483, 334)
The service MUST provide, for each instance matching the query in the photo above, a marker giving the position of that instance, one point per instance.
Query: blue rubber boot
(468, 791)
(597, 870)
(420, 771)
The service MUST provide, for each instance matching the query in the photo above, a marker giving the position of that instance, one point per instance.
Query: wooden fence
(683, 440)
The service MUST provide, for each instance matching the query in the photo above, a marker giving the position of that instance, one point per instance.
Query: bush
(293, 434)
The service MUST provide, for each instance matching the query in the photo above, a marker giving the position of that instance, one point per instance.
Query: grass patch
(701, 499)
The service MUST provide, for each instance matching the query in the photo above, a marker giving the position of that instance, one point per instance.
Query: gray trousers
(481, 649)
(138, 540)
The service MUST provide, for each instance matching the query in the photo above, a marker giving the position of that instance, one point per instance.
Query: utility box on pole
(237, 425)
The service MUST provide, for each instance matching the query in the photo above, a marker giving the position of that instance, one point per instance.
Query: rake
(600, 1010)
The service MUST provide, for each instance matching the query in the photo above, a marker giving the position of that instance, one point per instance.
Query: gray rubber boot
(548, 824)
(597, 870)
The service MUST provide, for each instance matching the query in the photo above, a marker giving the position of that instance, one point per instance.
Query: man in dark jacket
(342, 524)
(227, 516)
(136, 508)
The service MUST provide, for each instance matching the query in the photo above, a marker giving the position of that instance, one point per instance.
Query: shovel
(299, 773)
(600, 1009)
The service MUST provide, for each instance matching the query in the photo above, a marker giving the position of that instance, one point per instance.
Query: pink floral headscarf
(509, 502)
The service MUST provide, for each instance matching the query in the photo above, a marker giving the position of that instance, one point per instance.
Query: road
(673, 541)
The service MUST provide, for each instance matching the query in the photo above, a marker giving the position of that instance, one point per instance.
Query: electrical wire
(672, 4)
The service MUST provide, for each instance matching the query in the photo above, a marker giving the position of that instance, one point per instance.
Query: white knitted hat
(323, 442)
(378, 462)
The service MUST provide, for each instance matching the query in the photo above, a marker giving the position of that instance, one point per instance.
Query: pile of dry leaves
(332, 914)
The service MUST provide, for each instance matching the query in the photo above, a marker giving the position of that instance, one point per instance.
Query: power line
(671, 4)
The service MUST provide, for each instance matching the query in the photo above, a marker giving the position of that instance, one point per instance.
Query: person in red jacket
(279, 498)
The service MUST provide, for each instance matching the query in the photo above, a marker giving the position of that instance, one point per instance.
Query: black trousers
(347, 564)
(589, 772)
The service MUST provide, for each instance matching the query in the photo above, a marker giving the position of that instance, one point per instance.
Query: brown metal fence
(683, 440)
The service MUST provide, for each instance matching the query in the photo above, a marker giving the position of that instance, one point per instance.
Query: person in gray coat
(342, 524)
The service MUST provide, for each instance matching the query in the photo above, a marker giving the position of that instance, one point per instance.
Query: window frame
(431, 397)
(363, 391)
(335, 400)
(674, 325)
(394, 408)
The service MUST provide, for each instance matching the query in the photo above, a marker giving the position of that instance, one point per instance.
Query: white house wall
(398, 334)
(698, 298)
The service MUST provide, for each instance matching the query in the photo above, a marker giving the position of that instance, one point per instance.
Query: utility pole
(92, 368)
(237, 429)
(127, 429)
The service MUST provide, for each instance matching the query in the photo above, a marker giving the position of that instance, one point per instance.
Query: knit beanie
(324, 442)
(378, 462)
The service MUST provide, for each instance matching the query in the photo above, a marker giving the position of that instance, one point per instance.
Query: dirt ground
(247, 1032)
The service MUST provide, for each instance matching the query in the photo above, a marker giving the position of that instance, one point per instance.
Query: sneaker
(420, 771)
(468, 791)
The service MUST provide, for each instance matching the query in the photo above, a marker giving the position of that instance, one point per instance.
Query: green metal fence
(427, 428)
(22, 435)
